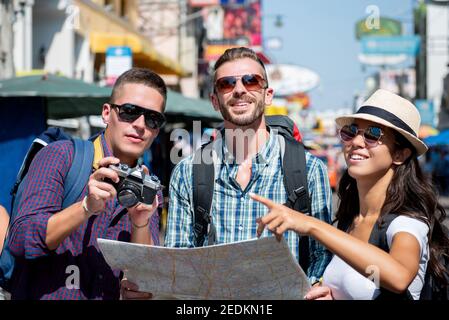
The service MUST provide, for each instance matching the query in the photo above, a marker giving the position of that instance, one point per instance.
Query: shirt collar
(106, 149)
(264, 156)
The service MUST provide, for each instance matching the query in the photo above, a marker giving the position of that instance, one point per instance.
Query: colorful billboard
(243, 23)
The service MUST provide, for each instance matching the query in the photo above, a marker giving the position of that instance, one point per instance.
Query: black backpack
(432, 290)
(295, 181)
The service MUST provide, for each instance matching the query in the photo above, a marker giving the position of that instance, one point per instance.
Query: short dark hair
(140, 76)
(239, 53)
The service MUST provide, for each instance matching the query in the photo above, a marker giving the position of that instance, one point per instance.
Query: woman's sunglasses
(371, 135)
(129, 112)
(252, 82)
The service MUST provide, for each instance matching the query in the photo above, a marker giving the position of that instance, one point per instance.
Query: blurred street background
(60, 58)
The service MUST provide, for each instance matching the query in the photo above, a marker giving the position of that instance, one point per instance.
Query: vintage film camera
(135, 185)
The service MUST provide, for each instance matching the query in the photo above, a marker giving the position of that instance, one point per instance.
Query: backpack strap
(295, 181)
(203, 180)
(378, 237)
(79, 172)
(295, 174)
(50, 135)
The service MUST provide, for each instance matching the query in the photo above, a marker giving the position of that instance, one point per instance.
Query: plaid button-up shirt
(234, 213)
(41, 273)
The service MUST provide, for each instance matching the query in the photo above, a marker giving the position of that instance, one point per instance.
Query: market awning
(69, 98)
(144, 54)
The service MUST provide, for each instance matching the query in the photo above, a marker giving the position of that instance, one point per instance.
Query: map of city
(253, 269)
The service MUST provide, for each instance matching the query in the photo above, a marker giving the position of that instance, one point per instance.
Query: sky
(320, 35)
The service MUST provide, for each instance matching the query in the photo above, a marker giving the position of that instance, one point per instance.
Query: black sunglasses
(371, 135)
(252, 82)
(129, 112)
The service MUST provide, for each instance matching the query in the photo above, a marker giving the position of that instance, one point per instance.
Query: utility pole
(6, 39)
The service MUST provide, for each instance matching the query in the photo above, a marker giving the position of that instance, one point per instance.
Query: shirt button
(240, 227)
(100, 277)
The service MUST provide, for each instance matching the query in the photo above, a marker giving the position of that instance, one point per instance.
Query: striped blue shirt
(234, 213)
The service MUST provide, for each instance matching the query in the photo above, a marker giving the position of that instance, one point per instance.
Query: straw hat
(393, 111)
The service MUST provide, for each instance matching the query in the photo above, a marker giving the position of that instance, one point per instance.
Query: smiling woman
(389, 236)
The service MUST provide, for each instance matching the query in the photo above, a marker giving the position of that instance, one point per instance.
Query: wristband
(142, 226)
(86, 210)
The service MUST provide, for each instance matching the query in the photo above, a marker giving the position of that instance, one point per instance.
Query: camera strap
(98, 152)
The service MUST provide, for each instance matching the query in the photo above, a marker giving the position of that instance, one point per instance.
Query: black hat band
(388, 116)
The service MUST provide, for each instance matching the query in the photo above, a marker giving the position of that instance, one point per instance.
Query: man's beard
(240, 119)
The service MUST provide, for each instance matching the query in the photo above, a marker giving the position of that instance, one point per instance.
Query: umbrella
(441, 139)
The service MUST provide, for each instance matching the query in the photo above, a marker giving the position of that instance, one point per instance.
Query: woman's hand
(280, 218)
(319, 293)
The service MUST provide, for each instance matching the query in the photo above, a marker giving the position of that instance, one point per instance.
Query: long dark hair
(411, 194)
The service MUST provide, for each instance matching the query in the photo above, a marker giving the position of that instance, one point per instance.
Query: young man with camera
(57, 255)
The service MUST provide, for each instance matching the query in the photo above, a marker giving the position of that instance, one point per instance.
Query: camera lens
(127, 198)
(128, 194)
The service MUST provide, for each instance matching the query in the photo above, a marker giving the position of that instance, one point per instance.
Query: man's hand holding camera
(134, 189)
(100, 191)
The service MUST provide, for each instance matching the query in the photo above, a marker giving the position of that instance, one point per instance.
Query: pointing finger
(266, 202)
(260, 227)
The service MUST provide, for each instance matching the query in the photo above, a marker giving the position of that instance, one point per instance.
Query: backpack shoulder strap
(79, 172)
(295, 181)
(378, 236)
(295, 175)
(203, 180)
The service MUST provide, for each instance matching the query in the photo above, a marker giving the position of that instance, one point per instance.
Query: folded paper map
(253, 269)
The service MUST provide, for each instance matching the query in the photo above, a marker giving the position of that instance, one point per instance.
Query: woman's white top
(348, 284)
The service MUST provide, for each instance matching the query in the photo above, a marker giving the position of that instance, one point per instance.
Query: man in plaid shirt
(51, 244)
(244, 166)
